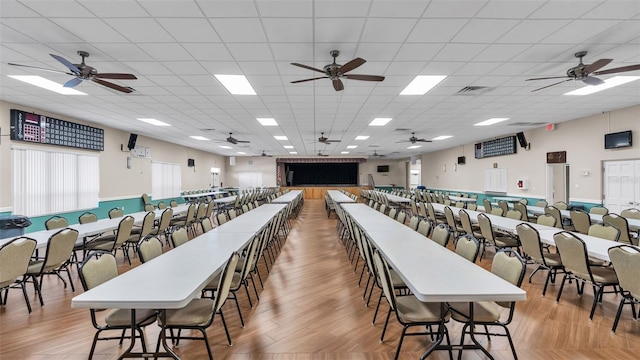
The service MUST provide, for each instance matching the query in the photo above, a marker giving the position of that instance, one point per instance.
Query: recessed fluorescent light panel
(198, 137)
(267, 121)
(379, 121)
(442, 137)
(609, 83)
(47, 84)
(421, 84)
(344, 152)
(414, 146)
(225, 147)
(288, 146)
(491, 121)
(241, 153)
(352, 146)
(280, 137)
(362, 137)
(293, 152)
(236, 84)
(154, 122)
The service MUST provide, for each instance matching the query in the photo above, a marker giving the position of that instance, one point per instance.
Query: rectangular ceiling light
(267, 121)
(47, 84)
(198, 137)
(442, 137)
(352, 146)
(414, 146)
(344, 152)
(280, 137)
(288, 146)
(293, 152)
(379, 121)
(154, 122)
(421, 84)
(225, 147)
(236, 84)
(241, 153)
(609, 83)
(362, 137)
(490, 121)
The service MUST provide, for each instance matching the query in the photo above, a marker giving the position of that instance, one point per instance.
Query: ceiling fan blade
(559, 82)
(365, 77)
(550, 77)
(618, 69)
(597, 65)
(72, 83)
(308, 67)
(330, 141)
(43, 69)
(116, 76)
(351, 65)
(113, 86)
(66, 63)
(591, 80)
(303, 80)
(338, 85)
(243, 141)
(423, 140)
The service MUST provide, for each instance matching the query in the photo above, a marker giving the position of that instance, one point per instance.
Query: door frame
(549, 192)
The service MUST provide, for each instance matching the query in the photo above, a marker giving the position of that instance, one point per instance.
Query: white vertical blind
(166, 180)
(48, 182)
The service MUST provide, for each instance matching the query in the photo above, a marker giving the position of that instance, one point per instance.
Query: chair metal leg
(226, 331)
(24, 292)
(386, 322)
(618, 313)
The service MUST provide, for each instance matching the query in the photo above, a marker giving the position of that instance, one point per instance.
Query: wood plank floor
(311, 308)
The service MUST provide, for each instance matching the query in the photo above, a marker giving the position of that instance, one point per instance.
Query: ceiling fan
(83, 72)
(584, 72)
(235, 141)
(325, 140)
(335, 71)
(376, 155)
(321, 154)
(264, 154)
(413, 139)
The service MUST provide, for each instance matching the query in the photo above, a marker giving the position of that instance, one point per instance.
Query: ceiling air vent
(473, 90)
(527, 123)
(208, 129)
(402, 129)
(374, 146)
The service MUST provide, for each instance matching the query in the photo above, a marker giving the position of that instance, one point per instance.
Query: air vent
(402, 129)
(374, 145)
(473, 90)
(208, 129)
(527, 123)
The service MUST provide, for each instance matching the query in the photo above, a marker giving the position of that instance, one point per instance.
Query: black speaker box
(132, 141)
(191, 162)
(461, 160)
(522, 140)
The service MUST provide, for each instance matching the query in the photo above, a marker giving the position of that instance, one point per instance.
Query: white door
(621, 185)
(557, 183)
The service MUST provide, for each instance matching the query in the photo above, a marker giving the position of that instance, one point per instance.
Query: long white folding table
(288, 197)
(634, 224)
(338, 197)
(432, 272)
(173, 279)
(394, 198)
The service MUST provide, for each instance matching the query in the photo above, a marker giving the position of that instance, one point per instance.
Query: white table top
(463, 199)
(394, 198)
(210, 193)
(432, 272)
(338, 197)
(361, 213)
(225, 200)
(253, 220)
(506, 198)
(634, 224)
(288, 197)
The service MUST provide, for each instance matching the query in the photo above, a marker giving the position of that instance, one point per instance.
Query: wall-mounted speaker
(132, 141)
(522, 140)
(461, 160)
(191, 162)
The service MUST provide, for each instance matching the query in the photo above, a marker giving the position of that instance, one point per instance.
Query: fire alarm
(551, 127)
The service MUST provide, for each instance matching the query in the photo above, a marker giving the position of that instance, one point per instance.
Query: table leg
(472, 334)
(128, 354)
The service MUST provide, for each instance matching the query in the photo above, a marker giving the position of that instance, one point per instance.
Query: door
(557, 183)
(621, 181)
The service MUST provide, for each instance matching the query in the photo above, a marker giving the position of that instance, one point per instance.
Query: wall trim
(6, 209)
(590, 201)
(117, 198)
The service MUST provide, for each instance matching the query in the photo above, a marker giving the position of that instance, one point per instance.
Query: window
(165, 180)
(51, 182)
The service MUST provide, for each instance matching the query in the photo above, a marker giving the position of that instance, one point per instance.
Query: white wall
(397, 174)
(251, 164)
(582, 139)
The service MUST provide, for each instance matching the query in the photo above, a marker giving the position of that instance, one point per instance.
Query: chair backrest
(87, 217)
(95, 271)
(472, 206)
(541, 203)
(487, 205)
(206, 225)
(530, 240)
(211, 207)
(459, 204)
(232, 214)
(173, 203)
(225, 281)
(162, 205)
(149, 207)
(573, 253)
(424, 228)
(147, 224)
(604, 232)
(504, 206)
(485, 228)
(149, 248)
(581, 221)
(523, 201)
(431, 212)
(441, 234)
(222, 218)
(384, 274)
(546, 220)
(383, 208)
(600, 210)
(514, 214)
(630, 214)
(448, 215)
(145, 199)
(165, 220)
(621, 224)
(497, 211)
(115, 213)
(560, 205)
(468, 247)
(392, 213)
(555, 212)
(124, 230)
(523, 210)
(179, 237)
(401, 217)
(465, 221)
(202, 210)
(626, 262)
(56, 222)
(414, 222)
(14, 259)
(508, 265)
(59, 248)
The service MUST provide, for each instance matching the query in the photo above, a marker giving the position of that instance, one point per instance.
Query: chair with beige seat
(508, 265)
(487, 205)
(414, 222)
(149, 248)
(573, 254)
(115, 213)
(441, 235)
(455, 228)
(163, 225)
(581, 221)
(514, 214)
(207, 225)
(56, 260)
(622, 225)
(546, 220)
(498, 241)
(632, 213)
(139, 233)
(468, 247)
(555, 213)
(433, 216)
(604, 231)
(541, 203)
(179, 237)
(200, 313)
(497, 211)
(560, 205)
(504, 206)
(95, 271)
(56, 222)
(599, 210)
(424, 227)
(626, 262)
(14, 261)
(523, 210)
(113, 242)
(532, 249)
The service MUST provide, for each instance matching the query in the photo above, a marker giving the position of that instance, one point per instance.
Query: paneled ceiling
(175, 47)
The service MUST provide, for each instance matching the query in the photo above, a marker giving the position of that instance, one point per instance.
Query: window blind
(166, 180)
(50, 182)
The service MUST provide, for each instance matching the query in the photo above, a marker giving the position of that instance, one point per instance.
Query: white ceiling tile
(501, 52)
(484, 30)
(338, 30)
(418, 52)
(279, 30)
(403, 9)
(166, 52)
(10, 35)
(258, 67)
(124, 52)
(509, 9)
(12, 8)
(563, 9)
(208, 51)
(190, 30)
(250, 51)
(222, 67)
(239, 30)
(110, 8)
(228, 9)
(276, 8)
(531, 31)
(300, 52)
(453, 9)
(459, 52)
(59, 8)
(140, 30)
(42, 29)
(579, 31)
(169, 8)
(352, 8)
(387, 30)
(625, 9)
(436, 30)
(91, 30)
(378, 51)
(185, 67)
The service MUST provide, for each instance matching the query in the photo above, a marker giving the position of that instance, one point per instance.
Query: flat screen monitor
(383, 168)
(617, 140)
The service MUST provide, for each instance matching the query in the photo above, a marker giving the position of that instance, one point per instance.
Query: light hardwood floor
(311, 308)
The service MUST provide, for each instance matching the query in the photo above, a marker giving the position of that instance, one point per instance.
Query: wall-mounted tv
(617, 140)
(383, 168)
